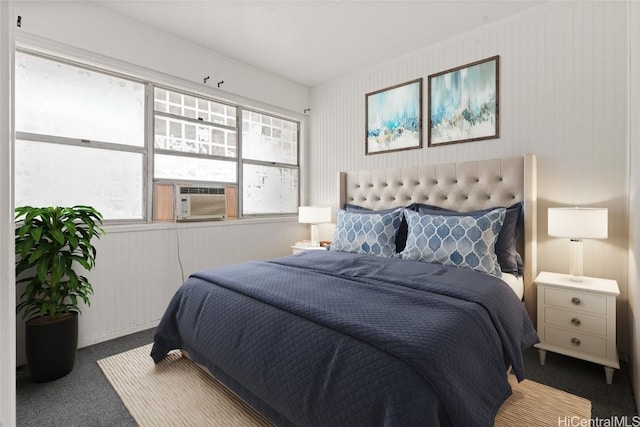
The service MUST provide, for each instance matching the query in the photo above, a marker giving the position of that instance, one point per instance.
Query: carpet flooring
(177, 392)
(85, 397)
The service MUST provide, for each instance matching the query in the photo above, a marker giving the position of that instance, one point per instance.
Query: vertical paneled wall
(563, 92)
(7, 279)
(137, 272)
(139, 269)
(634, 196)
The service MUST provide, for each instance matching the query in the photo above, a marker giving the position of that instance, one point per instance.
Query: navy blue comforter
(336, 339)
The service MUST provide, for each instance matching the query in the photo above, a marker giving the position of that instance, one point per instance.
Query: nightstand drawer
(577, 321)
(576, 301)
(575, 341)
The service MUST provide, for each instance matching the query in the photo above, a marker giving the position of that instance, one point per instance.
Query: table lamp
(577, 224)
(314, 215)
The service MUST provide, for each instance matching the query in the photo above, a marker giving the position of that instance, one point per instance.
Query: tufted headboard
(464, 186)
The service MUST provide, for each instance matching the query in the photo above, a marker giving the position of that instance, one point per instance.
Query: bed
(353, 336)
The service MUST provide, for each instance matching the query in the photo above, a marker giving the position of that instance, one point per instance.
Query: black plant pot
(51, 346)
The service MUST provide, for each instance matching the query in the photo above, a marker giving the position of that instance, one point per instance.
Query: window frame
(152, 80)
(153, 113)
(154, 86)
(242, 161)
(86, 143)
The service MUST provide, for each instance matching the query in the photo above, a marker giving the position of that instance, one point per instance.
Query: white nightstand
(578, 319)
(299, 248)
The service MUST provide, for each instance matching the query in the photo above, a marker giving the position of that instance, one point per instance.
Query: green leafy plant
(49, 241)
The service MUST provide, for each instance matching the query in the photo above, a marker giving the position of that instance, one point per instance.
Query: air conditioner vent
(201, 190)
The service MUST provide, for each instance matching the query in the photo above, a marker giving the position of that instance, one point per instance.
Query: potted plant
(49, 242)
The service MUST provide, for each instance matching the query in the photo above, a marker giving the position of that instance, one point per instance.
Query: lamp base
(314, 235)
(575, 260)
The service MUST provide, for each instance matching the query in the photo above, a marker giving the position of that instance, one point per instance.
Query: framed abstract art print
(463, 103)
(394, 118)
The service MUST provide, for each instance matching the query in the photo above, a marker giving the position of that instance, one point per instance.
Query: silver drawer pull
(575, 341)
(575, 301)
(575, 321)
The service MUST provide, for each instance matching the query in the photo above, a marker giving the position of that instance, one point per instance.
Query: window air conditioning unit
(175, 202)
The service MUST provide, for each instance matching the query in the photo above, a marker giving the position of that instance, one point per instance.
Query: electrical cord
(178, 249)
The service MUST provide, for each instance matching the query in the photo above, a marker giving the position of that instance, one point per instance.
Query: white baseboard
(118, 334)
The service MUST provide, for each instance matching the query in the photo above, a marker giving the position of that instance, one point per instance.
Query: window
(194, 139)
(65, 175)
(80, 138)
(269, 189)
(269, 138)
(270, 164)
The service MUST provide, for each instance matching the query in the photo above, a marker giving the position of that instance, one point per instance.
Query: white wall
(7, 279)
(90, 27)
(634, 196)
(137, 268)
(563, 87)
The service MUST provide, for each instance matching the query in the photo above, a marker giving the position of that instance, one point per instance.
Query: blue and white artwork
(463, 103)
(394, 118)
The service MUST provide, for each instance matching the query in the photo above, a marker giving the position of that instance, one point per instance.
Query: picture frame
(394, 118)
(463, 103)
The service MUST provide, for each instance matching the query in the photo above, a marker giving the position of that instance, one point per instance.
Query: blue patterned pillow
(401, 236)
(367, 233)
(460, 240)
(508, 257)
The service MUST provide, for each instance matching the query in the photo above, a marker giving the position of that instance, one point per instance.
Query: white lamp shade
(314, 214)
(578, 223)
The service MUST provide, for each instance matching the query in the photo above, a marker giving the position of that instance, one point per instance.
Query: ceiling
(312, 42)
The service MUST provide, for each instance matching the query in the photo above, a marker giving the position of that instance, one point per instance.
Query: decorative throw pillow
(508, 257)
(401, 237)
(367, 233)
(461, 240)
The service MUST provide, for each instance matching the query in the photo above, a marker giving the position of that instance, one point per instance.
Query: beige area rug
(176, 392)
(535, 404)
